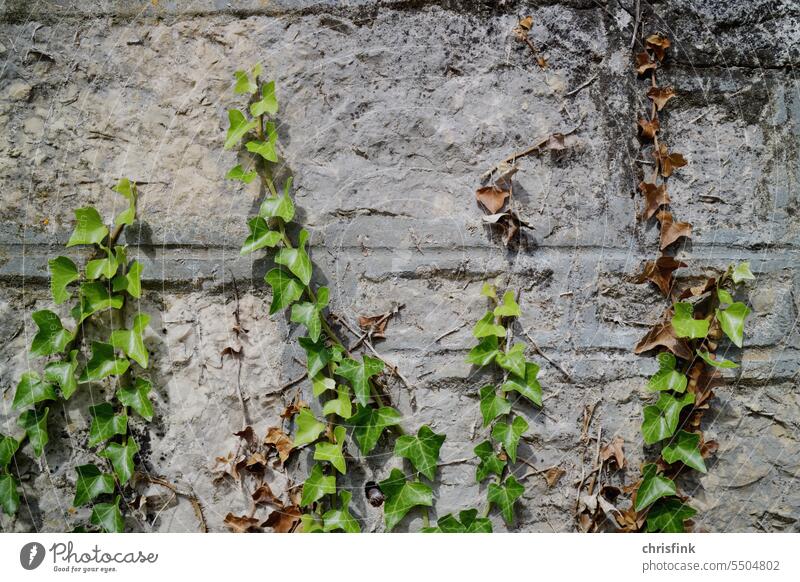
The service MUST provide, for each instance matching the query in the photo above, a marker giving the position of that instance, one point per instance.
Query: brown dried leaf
(660, 272)
(668, 162)
(284, 520)
(662, 335)
(553, 475)
(278, 439)
(699, 290)
(644, 63)
(233, 351)
(648, 128)
(294, 408)
(526, 23)
(614, 450)
(230, 465)
(670, 230)
(374, 325)
(242, 524)
(556, 143)
(541, 61)
(708, 448)
(492, 198)
(256, 463)
(658, 44)
(247, 434)
(660, 95)
(505, 174)
(654, 196)
(264, 495)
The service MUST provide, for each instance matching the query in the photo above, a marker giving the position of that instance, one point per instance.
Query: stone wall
(390, 111)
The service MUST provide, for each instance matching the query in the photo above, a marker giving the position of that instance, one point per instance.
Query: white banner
(380, 557)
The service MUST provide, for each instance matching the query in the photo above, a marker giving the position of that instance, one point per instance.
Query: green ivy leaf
(332, 452)
(239, 126)
(279, 206)
(268, 103)
(108, 516)
(127, 189)
(731, 320)
(52, 337)
(667, 377)
(130, 281)
(509, 307)
(317, 355)
(137, 397)
(527, 385)
(661, 419)
(105, 424)
(340, 405)
(685, 447)
(504, 496)
(9, 496)
(668, 515)
(359, 374)
(492, 404)
(95, 297)
(8, 446)
(369, 424)
(469, 523)
(422, 450)
(308, 314)
(513, 360)
(341, 519)
(310, 523)
(238, 173)
(684, 323)
(91, 483)
(31, 390)
(485, 352)
(265, 149)
(509, 435)
(296, 259)
(490, 462)
(106, 267)
(320, 384)
(89, 229)
(402, 496)
(308, 428)
(35, 425)
(285, 289)
(260, 236)
(742, 272)
(317, 486)
(724, 296)
(653, 487)
(121, 457)
(489, 290)
(103, 363)
(244, 85)
(63, 374)
(715, 361)
(62, 272)
(130, 341)
(487, 327)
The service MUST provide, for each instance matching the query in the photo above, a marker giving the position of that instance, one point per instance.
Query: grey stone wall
(389, 113)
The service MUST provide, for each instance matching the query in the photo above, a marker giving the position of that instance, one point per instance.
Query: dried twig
(198, 509)
(552, 362)
(578, 89)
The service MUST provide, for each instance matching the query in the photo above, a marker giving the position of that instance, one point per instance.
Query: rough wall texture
(390, 112)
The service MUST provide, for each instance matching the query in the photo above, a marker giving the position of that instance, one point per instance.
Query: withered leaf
(278, 439)
(375, 325)
(295, 407)
(230, 465)
(614, 450)
(492, 198)
(247, 434)
(654, 197)
(663, 335)
(526, 23)
(708, 448)
(699, 290)
(242, 524)
(264, 495)
(660, 272)
(284, 520)
(671, 230)
(505, 174)
(556, 142)
(553, 475)
(668, 162)
(644, 63)
(256, 463)
(660, 95)
(648, 128)
(658, 44)
(233, 351)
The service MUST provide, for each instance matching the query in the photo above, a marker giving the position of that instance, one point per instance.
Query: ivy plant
(105, 283)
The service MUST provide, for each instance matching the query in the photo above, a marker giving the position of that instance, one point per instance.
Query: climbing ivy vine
(104, 285)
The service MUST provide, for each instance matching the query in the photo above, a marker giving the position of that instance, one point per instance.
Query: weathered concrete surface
(389, 113)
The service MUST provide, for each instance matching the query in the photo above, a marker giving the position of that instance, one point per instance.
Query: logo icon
(31, 555)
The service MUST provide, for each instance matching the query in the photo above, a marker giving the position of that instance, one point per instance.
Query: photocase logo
(31, 555)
